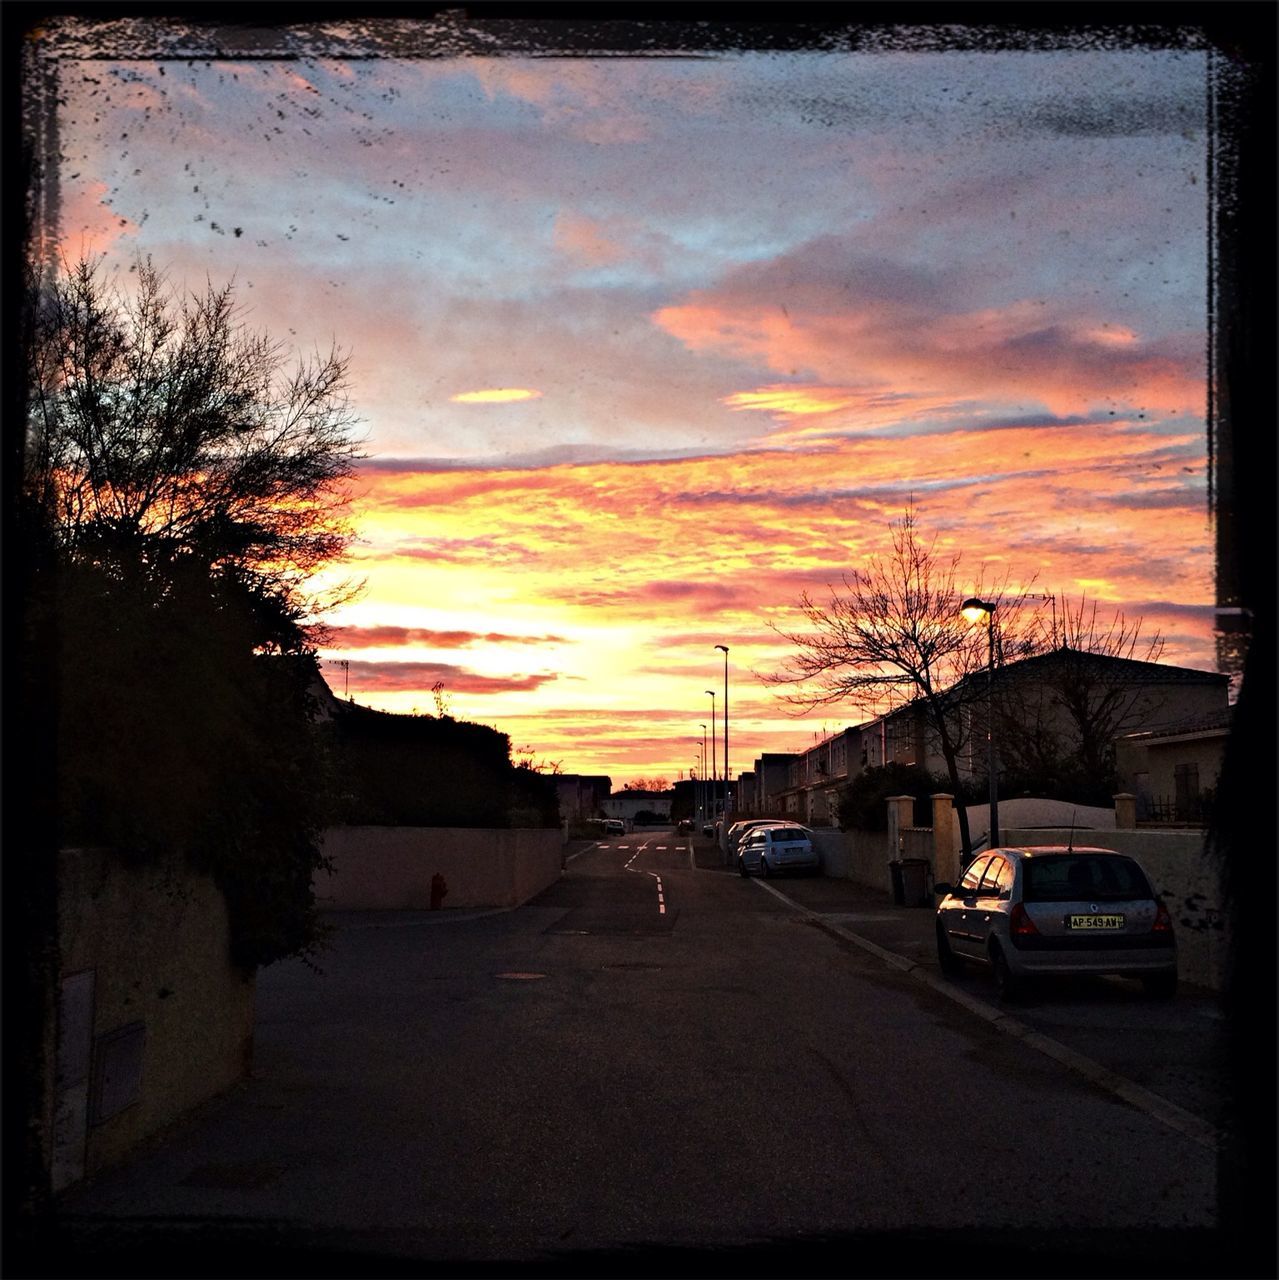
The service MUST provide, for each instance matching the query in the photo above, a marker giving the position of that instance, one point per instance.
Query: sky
(644, 347)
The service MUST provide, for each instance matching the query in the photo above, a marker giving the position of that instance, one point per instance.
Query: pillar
(1125, 811)
(945, 855)
(901, 814)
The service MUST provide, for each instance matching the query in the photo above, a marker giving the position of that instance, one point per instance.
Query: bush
(863, 804)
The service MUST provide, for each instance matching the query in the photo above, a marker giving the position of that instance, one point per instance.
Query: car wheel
(951, 965)
(741, 867)
(1008, 986)
(763, 868)
(1161, 986)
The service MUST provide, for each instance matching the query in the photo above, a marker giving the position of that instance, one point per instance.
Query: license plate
(1094, 922)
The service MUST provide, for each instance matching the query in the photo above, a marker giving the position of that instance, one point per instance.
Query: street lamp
(725, 648)
(704, 804)
(701, 777)
(714, 770)
(973, 609)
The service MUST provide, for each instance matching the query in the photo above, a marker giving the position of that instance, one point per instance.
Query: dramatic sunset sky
(646, 346)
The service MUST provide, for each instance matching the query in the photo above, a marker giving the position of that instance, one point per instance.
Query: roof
(1109, 666)
(1215, 724)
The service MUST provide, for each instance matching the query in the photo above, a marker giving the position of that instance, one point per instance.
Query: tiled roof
(1212, 723)
(1109, 667)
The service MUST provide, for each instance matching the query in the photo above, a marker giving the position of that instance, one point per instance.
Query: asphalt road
(649, 1067)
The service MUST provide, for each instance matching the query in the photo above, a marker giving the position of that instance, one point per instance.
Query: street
(655, 1054)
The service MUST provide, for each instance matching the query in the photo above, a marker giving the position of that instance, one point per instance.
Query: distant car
(777, 848)
(614, 827)
(708, 829)
(685, 827)
(1056, 909)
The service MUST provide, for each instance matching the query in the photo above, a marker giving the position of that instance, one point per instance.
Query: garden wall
(153, 1019)
(392, 868)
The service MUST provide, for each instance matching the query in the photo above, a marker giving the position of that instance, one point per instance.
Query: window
(998, 875)
(972, 877)
(1068, 877)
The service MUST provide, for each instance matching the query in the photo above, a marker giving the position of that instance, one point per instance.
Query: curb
(1175, 1117)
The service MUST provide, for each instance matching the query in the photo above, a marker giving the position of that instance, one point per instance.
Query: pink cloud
(344, 638)
(414, 677)
(824, 314)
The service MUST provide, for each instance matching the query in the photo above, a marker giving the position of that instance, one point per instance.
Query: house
(1040, 704)
(1172, 770)
(581, 795)
(1065, 704)
(626, 804)
(761, 789)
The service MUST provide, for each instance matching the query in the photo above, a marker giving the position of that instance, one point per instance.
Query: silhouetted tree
(896, 631)
(160, 426)
(182, 484)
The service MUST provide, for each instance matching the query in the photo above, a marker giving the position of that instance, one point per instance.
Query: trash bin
(910, 882)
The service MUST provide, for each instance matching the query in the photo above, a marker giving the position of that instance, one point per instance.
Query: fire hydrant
(438, 891)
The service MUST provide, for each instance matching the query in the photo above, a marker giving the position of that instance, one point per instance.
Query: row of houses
(1165, 728)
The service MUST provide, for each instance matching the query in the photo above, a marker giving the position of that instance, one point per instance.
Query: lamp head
(975, 610)
(724, 647)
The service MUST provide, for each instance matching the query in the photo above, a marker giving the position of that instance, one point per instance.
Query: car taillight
(1020, 925)
(1163, 921)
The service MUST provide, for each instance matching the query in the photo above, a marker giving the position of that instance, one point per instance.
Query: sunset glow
(499, 395)
(646, 347)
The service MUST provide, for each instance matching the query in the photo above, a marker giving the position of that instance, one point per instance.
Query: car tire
(763, 868)
(949, 963)
(1160, 986)
(1008, 986)
(741, 867)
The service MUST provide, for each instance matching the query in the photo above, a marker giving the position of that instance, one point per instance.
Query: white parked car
(782, 846)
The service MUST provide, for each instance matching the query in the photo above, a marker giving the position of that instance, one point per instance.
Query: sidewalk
(1168, 1058)
(907, 932)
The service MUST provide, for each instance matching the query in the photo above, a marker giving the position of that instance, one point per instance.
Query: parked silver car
(779, 847)
(1056, 909)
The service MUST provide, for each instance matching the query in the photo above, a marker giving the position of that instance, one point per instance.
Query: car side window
(1006, 873)
(996, 876)
(972, 877)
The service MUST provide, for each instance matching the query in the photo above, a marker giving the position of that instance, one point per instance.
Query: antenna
(1070, 839)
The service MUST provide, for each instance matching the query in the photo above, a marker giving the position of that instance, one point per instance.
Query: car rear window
(783, 835)
(1073, 876)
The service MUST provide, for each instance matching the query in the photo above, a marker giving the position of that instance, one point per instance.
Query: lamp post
(973, 609)
(725, 648)
(701, 777)
(704, 805)
(714, 757)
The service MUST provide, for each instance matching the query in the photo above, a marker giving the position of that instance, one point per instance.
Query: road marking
(661, 848)
(661, 901)
(1169, 1113)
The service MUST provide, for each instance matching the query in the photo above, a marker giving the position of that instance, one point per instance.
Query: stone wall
(153, 1019)
(392, 868)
